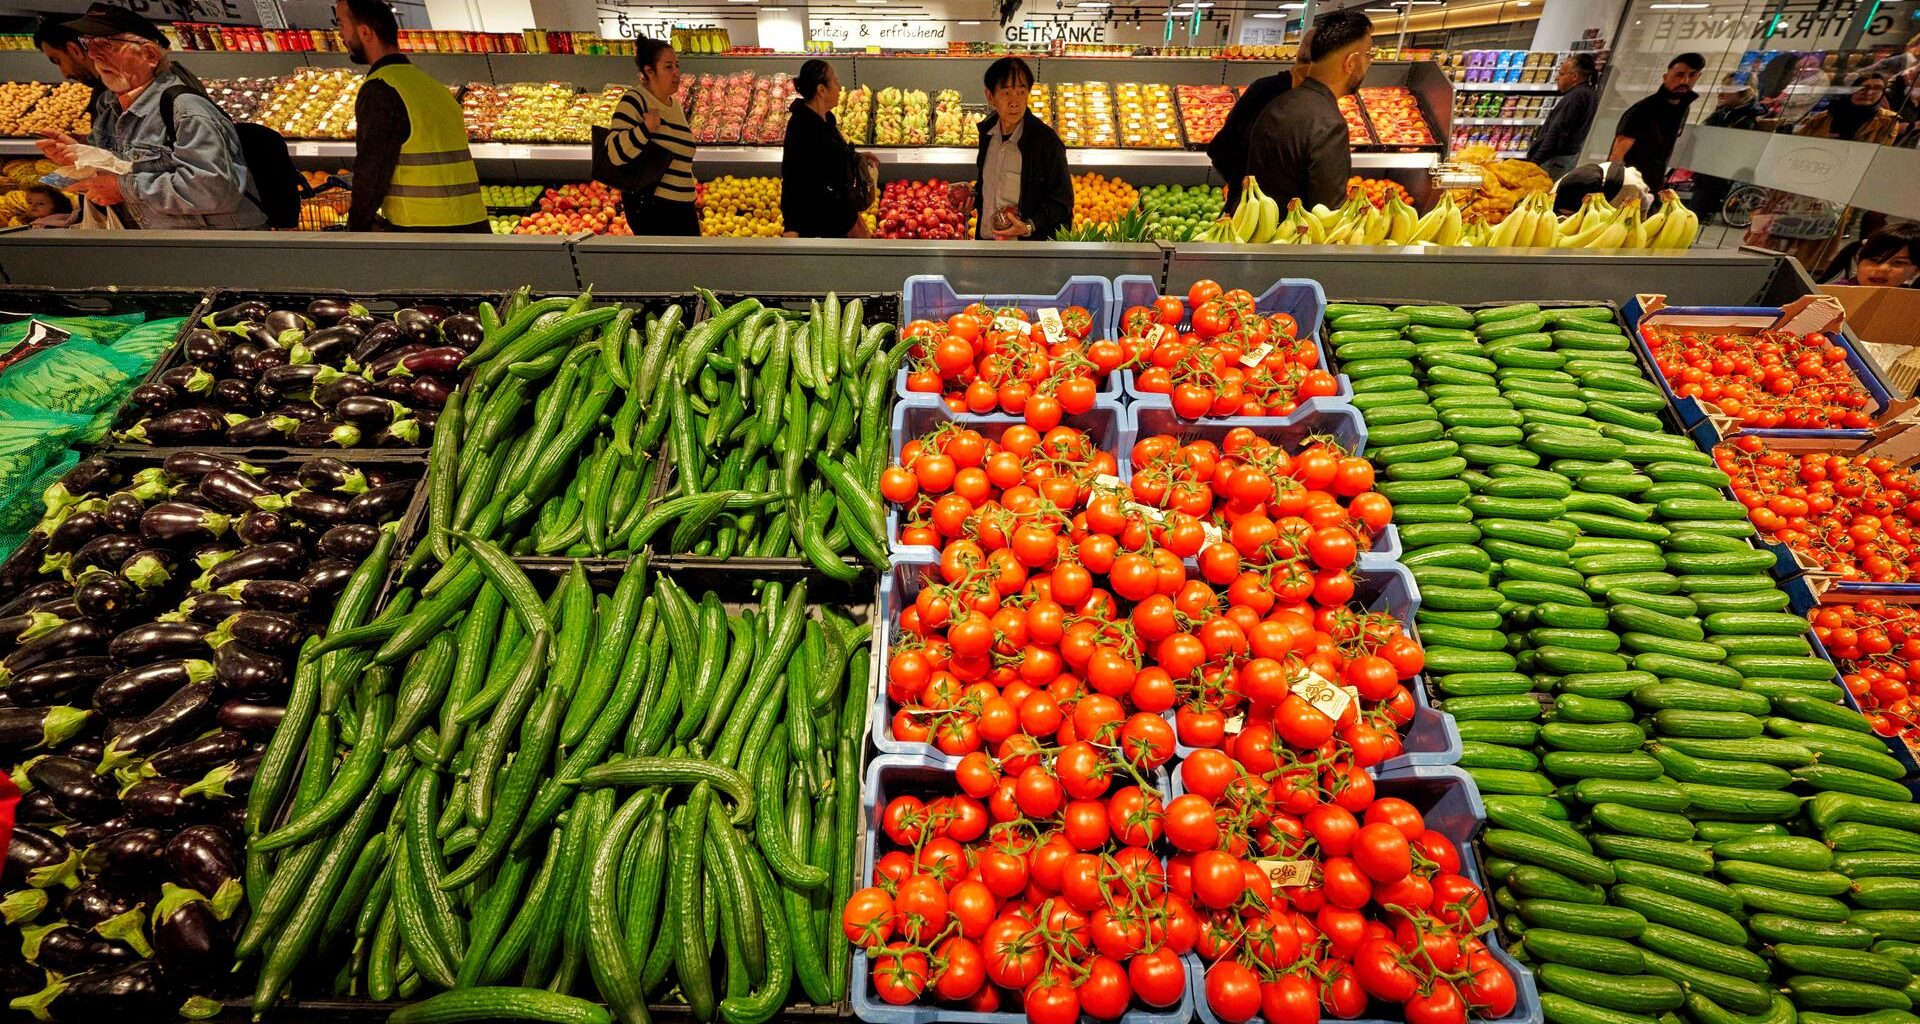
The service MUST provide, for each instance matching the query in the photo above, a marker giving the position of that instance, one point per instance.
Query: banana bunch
(1442, 225)
(1532, 224)
(1672, 226)
(1257, 219)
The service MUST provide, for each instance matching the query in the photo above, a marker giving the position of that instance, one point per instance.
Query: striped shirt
(629, 137)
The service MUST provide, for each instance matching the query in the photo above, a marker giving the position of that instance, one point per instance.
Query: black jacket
(1299, 148)
(1746, 115)
(1567, 124)
(816, 176)
(1228, 150)
(1046, 189)
(1654, 126)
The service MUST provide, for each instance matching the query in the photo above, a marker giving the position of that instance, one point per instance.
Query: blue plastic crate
(1301, 298)
(1801, 600)
(931, 297)
(886, 776)
(1690, 410)
(1105, 423)
(1448, 799)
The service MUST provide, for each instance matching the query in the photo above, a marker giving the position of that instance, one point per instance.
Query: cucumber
(1530, 849)
(1569, 660)
(1886, 892)
(1460, 599)
(1689, 670)
(1636, 821)
(1602, 640)
(1364, 318)
(1846, 964)
(1727, 803)
(1544, 806)
(1889, 924)
(1767, 623)
(1811, 883)
(1437, 316)
(1860, 759)
(1513, 734)
(1516, 783)
(1711, 831)
(1788, 852)
(1826, 994)
(1858, 836)
(1524, 531)
(1658, 582)
(1760, 899)
(1675, 723)
(1633, 767)
(1704, 891)
(1673, 605)
(1691, 650)
(1633, 618)
(1559, 1009)
(1582, 918)
(1685, 768)
(1835, 779)
(1354, 346)
(1739, 994)
(1609, 685)
(1507, 816)
(1720, 957)
(1457, 556)
(1444, 468)
(1404, 514)
(1531, 881)
(1778, 928)
(1774, 689)
(1571, 707)
(1567, 616)
(1678, 856)
(1658, 795)
(1425, 492)
(1796, 646)
(1593, 952)
(1814, 712)
(1480, 684)
(1475, 754)
(1504, 707)
(1644, 993)
(1598, 738)
(1687, 696)
(1465, 620)
(1878, 864)
(1676, 912)
(1534, 592)
(1610, 524)
(1389, 399)
(1514, 551)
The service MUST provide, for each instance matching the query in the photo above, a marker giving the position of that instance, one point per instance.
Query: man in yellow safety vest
(412, 170)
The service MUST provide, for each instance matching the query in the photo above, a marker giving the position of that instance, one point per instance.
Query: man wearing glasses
(188, 170)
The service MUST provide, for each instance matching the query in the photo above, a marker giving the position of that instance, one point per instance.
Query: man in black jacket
(1649, 129)
(1024, 190)
(1557, 147)
(1228, 150)
(1299, 148)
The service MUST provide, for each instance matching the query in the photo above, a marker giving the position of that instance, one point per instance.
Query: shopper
(48, 207)
(186, 174)
(1888, 258)
(1618, 183)
(412, 170)
(824, 184)
(1649, 129)
(1859, 117)
(1899, 63)
(1737, 106)
(1024, 191)
(1556, 148)
(1228, 150)
(1807, 90)
(1299, 148)
(647, 115)
(65, 50)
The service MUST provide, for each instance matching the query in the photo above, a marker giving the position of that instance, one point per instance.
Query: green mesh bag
(103, 329)
(151, 339)
(23, 507)
(74, 376)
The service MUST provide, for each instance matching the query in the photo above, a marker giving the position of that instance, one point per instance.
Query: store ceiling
(1422, 14)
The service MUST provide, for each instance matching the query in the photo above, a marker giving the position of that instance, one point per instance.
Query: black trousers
(651, 215)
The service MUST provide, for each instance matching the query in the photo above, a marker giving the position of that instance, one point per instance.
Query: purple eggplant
(204, 347)
(188, 426)
(347, 385)
(40, 858)
(396, 388)
(401, 433)
(244, 359)
(430, 391)
(205, 858)
(163, 803)
(276, 561)
(206, 609)
(171, 522)
(247, 672)
(348, 540)
(333, 310)
(367, 411)
(23, 729)
(159, 641)
(149, 569)
(189, 939)
(91, 903)
(17, 570)
(262, 430)
(299, 412)
(327, 345)
(87, 748)
(107, 551)
(188, 380)
(77, 791)
(376, 340)
(178, 716)
(281, 323)
(421, 319)
(103, 595)
(123, 512)
(381, 504)
(155, 397)
(387, 364)
(269, 632)
(319, 508)
(38, 809)
(26, 626)
(281, 482)
(326, 433)
(232, 393)
(260, 527)
(327, 576)
(268, 595)
(36, 597)
(463, 331)
(139, 690)
(326, 473)
(76, 530)
(236, 492)
(250, 717)
(443, 359)
(76, 952)
(67, 640)
(55, 682)
(240, 313)
(194, 465)
(290, 380)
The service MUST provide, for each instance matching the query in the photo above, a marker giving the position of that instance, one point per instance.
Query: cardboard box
(1889, 319)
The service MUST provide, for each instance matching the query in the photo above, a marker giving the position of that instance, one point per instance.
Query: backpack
(265, 152)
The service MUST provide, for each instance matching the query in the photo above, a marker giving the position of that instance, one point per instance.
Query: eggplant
(421, 319)
(171, 522)
(83, 834)
(67, 640)
(19, 978)
(281, 483)
(77, 791)
(261, 430)
(301, 412)
(88, 748)
(204, 347)
(163, 803)
(38, 809)
(139, 690)
(367, 411)
(59, 608)
(240, 313)
(260, 527)
(401, 433)
(378, 339)
(395, 388)
(381, 504)
(264, 359)
(188, 426)
(76, 530)
(281, 322)
(103, 595)
(149, 569)
(154, 397)
(430, 391)
(463, 331)
(189, 939)
(327, 576)
(326, 433)
(347, 385)
(326, 345)
(90, 903)
(387, 364)
(188, 380)
(248, 672)
(54, 682)
(269, 632)
(107, 551)
(23, 729)
(232, 393)
(38, 597)
(205, 858)
(316, 507)
(194, 465)
(443, 359)
(207, 609)
(268, 595)
(18, 570)
(72, 951)
(131, 860)
(29, 624)
(348, 540)
(278, 560)
(332, 310)
(250, 716)
(326, 473)
(123, 512)
(243, 359)
(39, 857)
(235, 492)
(159, 641)
(282, 381)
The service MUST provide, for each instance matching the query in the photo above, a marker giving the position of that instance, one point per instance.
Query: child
(48, 207)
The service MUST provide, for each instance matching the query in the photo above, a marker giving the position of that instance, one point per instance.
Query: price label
(1327, 697)
(519, 152)
(1108, 480)
(1156, 516)
(1236, 723)
(1254, 358)
(41, 334)
(1012, 324)
(1212, 533)
(1159, 332)
(306, 149)
(1287, 874)
(1051, 325)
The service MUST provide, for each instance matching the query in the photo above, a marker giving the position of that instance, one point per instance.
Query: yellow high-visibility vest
(435, 183)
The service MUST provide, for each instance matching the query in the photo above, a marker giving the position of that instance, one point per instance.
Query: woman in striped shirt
(648, 114)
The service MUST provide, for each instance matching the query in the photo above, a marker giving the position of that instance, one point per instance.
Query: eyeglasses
(104, 42)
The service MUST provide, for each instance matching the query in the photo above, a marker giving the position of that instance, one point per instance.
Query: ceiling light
(1269, 14)
(1678, 7)
(1524, 3)
(1093, 3)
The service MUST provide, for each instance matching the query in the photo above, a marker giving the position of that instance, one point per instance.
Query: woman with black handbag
(824, 181)
(647, 153)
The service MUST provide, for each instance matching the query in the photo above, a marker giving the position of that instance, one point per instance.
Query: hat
(109, 20)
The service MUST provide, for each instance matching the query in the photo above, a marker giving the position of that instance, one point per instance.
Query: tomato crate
(1319, 417)
(1647, 311)
(1300, 298)
(932, 297)
(1446, 796)
(1801, 600)
(889, 776)
(1106, 423)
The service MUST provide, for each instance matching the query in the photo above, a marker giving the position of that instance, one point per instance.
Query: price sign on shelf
(1287, 874)
(1329, 698)
(1051, 325)
(519, 152)
(305, 149)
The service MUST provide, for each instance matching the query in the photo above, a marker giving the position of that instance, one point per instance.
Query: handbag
(94, 216)
(640, 175)
(860, 183)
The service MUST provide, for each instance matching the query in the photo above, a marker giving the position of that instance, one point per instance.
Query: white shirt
(1000, 177)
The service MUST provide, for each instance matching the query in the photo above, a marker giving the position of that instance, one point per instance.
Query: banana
(1316, 232)
(1377, 223)
(1545, 227)
(1505, 233)
(1324, 217)
(1451, 230)
(1269, 221)
(1430, 223)
(1611, 234)
(1576, 220)
(1636, 229)
(1402, 221)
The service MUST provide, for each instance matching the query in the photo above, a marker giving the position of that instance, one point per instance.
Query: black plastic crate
(19, 302)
